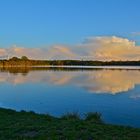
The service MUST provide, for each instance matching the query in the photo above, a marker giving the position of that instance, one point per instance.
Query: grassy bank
(29, 125)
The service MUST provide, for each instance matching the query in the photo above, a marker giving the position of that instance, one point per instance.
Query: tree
(24, 58)
(14, 58)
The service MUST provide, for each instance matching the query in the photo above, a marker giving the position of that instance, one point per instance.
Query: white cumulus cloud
(93, 48)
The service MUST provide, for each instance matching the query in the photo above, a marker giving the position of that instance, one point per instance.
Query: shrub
(69, 116)
(94, 117)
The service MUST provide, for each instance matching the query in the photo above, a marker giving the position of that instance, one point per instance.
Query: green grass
(29, 125)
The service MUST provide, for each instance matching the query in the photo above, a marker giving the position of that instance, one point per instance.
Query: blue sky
(34, 23)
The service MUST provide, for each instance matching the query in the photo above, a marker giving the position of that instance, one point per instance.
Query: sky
(33, 27)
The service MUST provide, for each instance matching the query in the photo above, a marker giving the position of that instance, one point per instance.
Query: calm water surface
(114, 93)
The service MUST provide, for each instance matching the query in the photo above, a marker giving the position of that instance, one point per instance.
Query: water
(115, 93)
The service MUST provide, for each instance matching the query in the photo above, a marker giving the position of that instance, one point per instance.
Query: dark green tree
(24, 58)
(14, 59)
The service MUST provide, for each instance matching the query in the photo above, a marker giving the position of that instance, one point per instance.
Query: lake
(115, 93)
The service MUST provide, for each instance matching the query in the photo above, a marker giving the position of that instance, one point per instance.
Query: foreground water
(115, 93)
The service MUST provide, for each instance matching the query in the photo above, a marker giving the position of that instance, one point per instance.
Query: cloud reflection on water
(94, 81)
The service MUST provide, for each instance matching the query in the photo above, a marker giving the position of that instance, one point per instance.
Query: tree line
(25, 61)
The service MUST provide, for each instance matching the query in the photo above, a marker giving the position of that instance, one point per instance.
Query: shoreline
(90, 67)
(74, 66)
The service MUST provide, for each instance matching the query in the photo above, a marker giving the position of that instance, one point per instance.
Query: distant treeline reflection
(26, 70)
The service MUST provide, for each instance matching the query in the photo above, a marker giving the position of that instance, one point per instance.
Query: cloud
(3, 51)
(135, 96)
(135, 33)
(93, 48)
(60, 52)
(54, 52)
(110, 48)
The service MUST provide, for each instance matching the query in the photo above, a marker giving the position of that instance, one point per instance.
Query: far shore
(26, 62)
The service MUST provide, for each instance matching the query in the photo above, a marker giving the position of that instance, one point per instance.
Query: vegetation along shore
(24, 61)
(31, 126)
